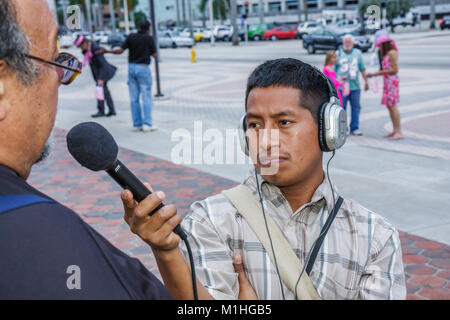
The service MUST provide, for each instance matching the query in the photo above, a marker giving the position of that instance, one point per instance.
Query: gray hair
(14, 45)
(349, 37)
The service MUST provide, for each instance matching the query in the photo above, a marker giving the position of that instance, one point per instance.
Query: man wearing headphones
(335, 248)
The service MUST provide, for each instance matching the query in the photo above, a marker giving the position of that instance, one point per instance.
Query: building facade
(273, 10)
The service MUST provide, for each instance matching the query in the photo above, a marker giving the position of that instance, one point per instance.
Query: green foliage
(220, 8)
(139, 16)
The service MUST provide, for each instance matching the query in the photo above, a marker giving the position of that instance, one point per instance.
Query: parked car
(167, 39)
(206, 35)
(115, 40)
(229, 36)
(256, 31)
(308, 27)
(445, 22)
(222, 33)
(410, 18)
(101, 37)
(326, 39)
(283, 32)
(198, 33)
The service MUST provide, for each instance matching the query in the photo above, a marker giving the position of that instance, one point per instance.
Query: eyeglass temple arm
(53, 63)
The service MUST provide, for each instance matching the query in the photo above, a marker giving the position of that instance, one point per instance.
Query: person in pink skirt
(389, 53)
(328, 69)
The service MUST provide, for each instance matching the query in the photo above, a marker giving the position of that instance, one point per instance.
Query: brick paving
(96, 198)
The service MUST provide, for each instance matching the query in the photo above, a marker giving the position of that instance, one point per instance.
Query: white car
(174, 39)
(309, 27)
(101, 36)
(223, 33)
(206, 35)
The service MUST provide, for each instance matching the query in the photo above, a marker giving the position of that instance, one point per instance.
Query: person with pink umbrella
(389, 53)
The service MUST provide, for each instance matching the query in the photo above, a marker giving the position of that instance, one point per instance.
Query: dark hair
(144, 25)
(14, 45)
(292, 73)
(385, 47)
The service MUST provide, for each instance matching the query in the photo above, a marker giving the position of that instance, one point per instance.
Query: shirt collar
(272, 193)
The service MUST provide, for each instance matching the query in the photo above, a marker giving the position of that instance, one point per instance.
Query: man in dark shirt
(141, 47)
(46, 250)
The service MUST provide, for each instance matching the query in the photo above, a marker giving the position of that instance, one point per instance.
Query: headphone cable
(268, 233)
(320, 235)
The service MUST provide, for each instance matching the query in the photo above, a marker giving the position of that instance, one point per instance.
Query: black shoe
(110, 114)
(97, 115)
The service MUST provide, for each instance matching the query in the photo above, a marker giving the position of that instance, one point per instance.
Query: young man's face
(296, 153)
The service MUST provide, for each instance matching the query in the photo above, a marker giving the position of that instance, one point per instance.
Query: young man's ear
(3, 104)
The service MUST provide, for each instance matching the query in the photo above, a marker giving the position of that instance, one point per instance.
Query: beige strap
(288, 263)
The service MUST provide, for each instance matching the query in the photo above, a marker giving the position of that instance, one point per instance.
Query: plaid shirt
(360, 257)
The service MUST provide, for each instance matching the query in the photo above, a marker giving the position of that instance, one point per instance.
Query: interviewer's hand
(155, 230)
(246, 291)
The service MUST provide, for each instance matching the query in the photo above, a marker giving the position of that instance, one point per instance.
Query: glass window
(255, 7)
(274, 6)
(292, 5)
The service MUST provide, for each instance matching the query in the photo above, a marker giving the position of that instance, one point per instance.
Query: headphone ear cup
(242, 136)
(322, 131)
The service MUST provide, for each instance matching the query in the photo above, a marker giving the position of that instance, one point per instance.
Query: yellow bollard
(193, 55)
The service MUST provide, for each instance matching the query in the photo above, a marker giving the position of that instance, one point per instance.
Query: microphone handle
(127, 180)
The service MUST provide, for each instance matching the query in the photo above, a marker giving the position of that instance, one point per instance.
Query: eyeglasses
(68, 66)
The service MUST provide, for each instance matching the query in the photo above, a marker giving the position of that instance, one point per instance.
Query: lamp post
(211, 18)
(112, 16)
(127, 23)
(155, 36)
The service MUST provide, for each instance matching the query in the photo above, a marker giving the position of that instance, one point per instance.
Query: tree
(219, 8)
(394, 8)
(139, 16)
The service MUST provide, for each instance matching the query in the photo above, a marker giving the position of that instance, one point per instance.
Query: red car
(282, 32)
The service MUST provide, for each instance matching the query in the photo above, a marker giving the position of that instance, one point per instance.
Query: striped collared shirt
(360, 257)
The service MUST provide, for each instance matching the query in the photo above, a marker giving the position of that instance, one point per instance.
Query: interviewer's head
(28, 88)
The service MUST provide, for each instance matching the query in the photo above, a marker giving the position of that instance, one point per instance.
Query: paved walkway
(96, 198)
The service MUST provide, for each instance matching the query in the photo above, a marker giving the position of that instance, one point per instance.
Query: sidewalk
(96, 198)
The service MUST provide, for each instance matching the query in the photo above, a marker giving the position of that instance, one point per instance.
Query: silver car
(173, 39)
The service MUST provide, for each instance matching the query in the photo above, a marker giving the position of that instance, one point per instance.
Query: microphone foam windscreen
(92, 146)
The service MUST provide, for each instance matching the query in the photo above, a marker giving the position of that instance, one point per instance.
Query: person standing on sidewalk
(102, 71)
(141, 48)
(350, 63)
(391, 98)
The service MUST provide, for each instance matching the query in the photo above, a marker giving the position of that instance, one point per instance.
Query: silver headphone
(332, 123)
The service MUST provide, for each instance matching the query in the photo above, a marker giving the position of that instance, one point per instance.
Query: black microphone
(95, 148)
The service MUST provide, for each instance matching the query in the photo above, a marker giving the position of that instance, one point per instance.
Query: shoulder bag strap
(290, 267)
